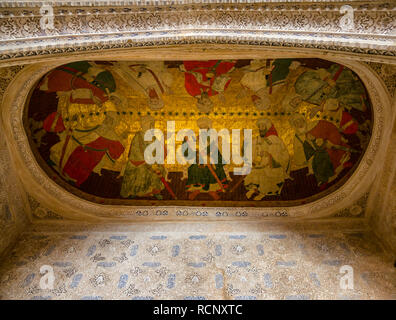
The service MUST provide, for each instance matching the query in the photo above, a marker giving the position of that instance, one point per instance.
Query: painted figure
(139, 178)
(206, 178)
(320, 146)
(336, 82)
(204, 79)
(151, 78)
(265, 78)
(335, 113)
(83, 82)
(350, 90)
(81, 151)
(82, 88)
(255, 79)
(270, 163)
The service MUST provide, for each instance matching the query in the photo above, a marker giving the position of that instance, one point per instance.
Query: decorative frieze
(27, 30)
(387, 73)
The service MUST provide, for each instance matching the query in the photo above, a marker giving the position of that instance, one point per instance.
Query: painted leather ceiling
(310, 121)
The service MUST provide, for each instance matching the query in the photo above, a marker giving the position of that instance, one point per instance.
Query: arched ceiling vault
(106, 30)
(52, 196)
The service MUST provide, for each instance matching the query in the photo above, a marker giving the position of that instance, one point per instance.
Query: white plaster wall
(13, 205)
(382, 203)
(13, 212)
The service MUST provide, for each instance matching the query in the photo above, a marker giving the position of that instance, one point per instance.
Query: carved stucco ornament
(387, 73)
(366, 29)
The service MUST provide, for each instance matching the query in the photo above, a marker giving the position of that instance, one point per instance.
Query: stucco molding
(387, 73)
(54, 198)
(89, 26)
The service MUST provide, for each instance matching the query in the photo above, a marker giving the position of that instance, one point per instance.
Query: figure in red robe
(204, 79)
(80, 150)
(348, 124)
(332, 142)
(335, 113)
(80, 75)
(86, 157)
(320, 146)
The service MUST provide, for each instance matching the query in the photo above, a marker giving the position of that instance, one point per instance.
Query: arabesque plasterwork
(91, 26)
(387, 73)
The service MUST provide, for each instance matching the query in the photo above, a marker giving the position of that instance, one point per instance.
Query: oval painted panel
(279, 132)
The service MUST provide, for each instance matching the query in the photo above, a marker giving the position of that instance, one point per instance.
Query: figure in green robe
(140, 178)
(336, 82)
(319, 146)
(205, 178)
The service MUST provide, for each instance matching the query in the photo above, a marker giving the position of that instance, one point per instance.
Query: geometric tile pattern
(288, 264)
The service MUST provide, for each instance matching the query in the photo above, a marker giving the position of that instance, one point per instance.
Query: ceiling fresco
(290, 131)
